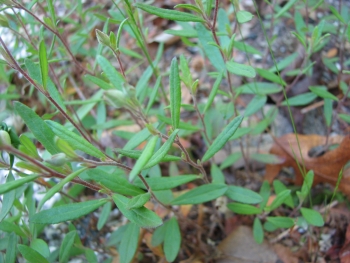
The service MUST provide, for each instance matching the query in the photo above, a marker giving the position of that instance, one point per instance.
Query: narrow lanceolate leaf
(169, 14)
(138, 201)
(279, 200)
(175, 94)
(8, 198)
(240, 69)
(244, 209)
(201, 194)
(4, 188)
(213, 92)
(258, 231)
(39, 128)
(76, 141)
(31, 255)
(115, 182)
(172, 239)
(66, 212)
(59, 186)
(44, 67)
(164, 183)
(129, 243)
(112, 74)
(135, 154)
(140, 216)
(66, 245)
(222, 138)
(243, 195)
(144, 158)
(162, 152)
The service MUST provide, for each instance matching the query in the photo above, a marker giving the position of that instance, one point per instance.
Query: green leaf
(8, 198)
(243, 195)
(164, 183)
(66, 212)
(240, 69)
(279, 187)
(44, 67)
(11, 227)
(76, 141)
(135, 154)
(99, 82)
(328, 111)
(141, 216)
(285, 8)
(144, 158)
(159, 155)
(137, 139)
(231, 159)
(29, 146)
(217, 175)
(31, 255)
(158, 236)
(212, 52)
(244, 16)
(8, 186)
(11, 248)
(172, 239)
(258, 231)
(106, 210)
(57, 187)
(344, 117)
(222, 138)
(115, 44)
(154, 94)
(39, 128)
(182, 125)
(264, 193)
(186, 76)
(175, 93)
(336, 14)
(112, 74)
(260, 88)
(279, 200)
(115, 182)
(213, 92)
(138, 201)
(189, 7)
(300, 100)
(129, 243)
(281, 221)
(244, 209)
(313, 217)
(255, 104)
(322, 92)
(201, 194)
(40, 246)
(169, 14)
(270, 76)
(285, 62)
(102, 38)
(307, 184)
(66, 246)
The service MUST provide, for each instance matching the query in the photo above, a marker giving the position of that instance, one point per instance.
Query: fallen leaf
(326, 167)
(332, 53)
(240, 247)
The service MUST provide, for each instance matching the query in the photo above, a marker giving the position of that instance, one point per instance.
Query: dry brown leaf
(325, 167)
(285, 254)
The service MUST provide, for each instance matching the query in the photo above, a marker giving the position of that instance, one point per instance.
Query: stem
(18, 5)
(52, 173)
